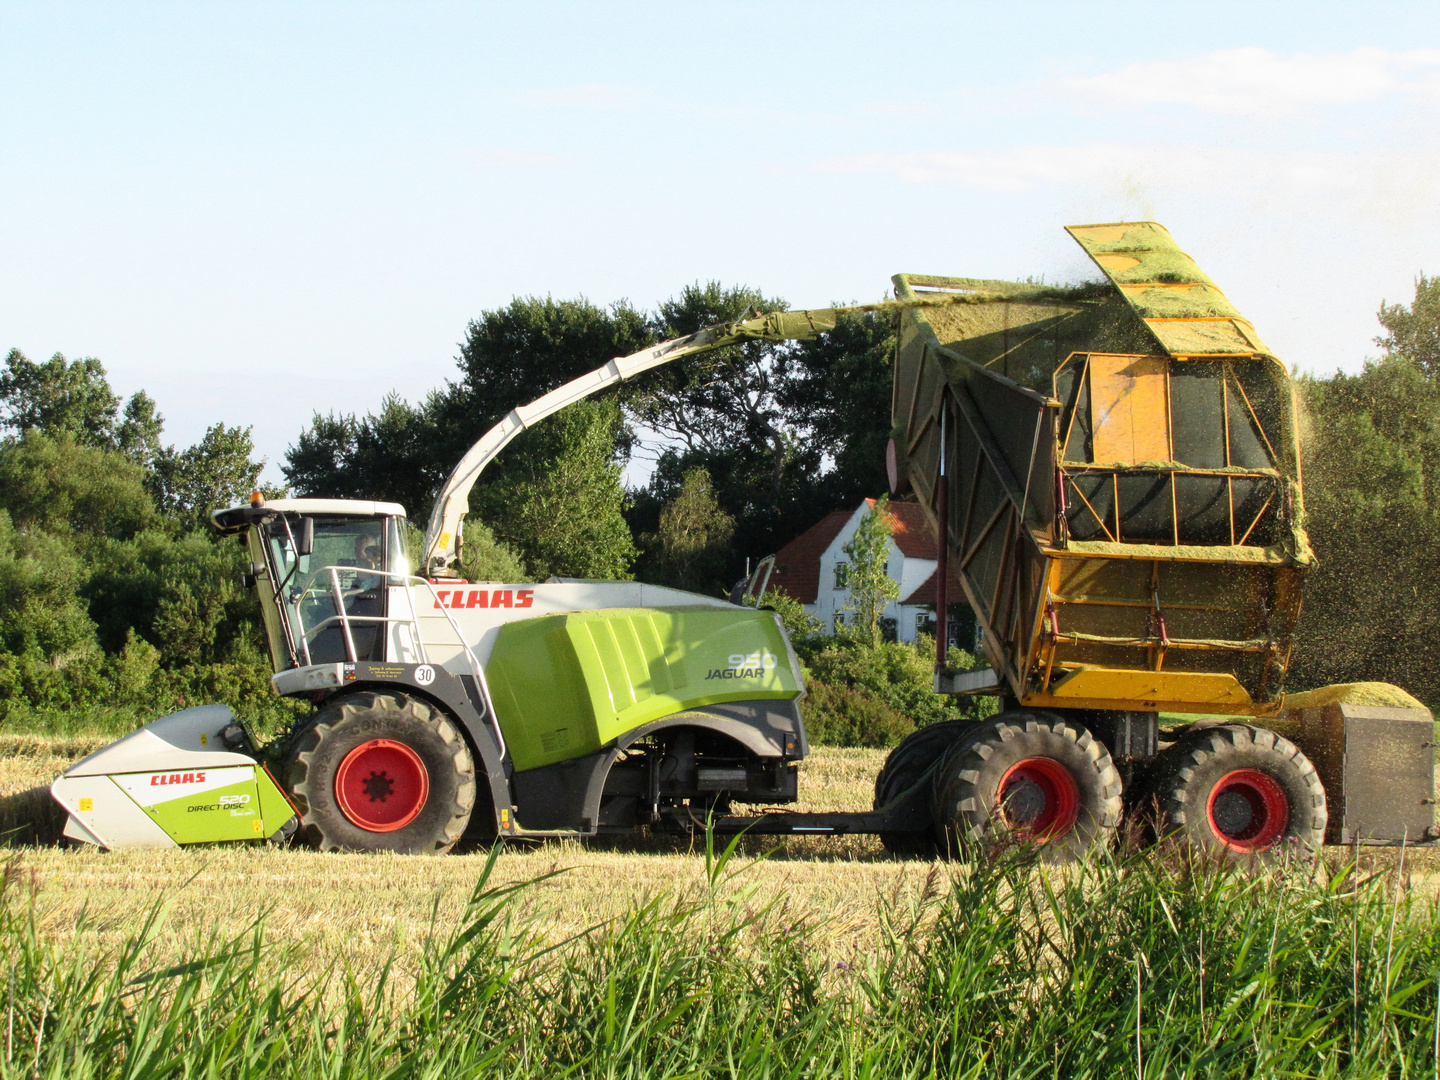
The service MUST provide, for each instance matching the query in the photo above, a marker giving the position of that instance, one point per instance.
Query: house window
(887, 628)
(839, 621)
(925, 622)
(842, 574)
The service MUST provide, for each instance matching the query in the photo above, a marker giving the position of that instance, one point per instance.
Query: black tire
(1225, 789)
(903, 785)
(1062, 790)
(433, 814)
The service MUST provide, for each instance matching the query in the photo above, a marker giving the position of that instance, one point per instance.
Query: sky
(259, 211)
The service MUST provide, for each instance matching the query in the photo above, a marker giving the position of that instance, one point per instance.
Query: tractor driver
(367, 552)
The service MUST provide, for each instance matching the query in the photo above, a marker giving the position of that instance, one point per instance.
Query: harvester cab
(325, 570)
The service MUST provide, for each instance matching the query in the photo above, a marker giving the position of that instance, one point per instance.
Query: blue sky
(256, 211)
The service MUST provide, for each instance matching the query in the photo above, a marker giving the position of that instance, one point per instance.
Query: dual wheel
(1037, 778)
(381, 772)
(1239, 790)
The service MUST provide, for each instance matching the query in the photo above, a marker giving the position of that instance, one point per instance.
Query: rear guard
(173, 782)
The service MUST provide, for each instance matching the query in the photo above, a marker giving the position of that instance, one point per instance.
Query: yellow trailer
(1115, 471)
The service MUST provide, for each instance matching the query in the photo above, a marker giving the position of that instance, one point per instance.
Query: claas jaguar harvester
(1114, 471)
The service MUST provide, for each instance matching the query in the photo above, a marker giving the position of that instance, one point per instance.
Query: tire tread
(317, 829)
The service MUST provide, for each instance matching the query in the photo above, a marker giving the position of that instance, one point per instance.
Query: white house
(811, 568)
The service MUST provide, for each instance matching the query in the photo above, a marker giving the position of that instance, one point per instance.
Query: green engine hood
(565, 685)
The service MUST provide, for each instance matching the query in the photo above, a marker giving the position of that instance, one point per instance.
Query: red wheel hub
(1248, 810)
(1039, 798)
(382, 785)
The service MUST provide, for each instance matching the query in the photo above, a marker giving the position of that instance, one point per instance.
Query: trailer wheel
(1031, 777)
(1240, 790)
(903, 785)
(381, 772)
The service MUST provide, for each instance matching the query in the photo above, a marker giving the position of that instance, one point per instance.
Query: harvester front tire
(381, 772)
(905, 777)
(1031, 778)
(1240, 791)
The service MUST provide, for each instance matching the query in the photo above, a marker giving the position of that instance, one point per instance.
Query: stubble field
(335, 904)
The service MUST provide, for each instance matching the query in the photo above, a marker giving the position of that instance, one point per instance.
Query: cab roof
(235, 518)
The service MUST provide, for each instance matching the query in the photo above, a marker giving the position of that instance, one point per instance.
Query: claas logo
(162, 779)
(461, 599)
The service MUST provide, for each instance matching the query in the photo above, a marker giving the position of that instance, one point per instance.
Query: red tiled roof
(913, 534)
(797, 564)
(925, 594)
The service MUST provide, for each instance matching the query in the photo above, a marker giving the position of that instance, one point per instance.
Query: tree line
(114, 590)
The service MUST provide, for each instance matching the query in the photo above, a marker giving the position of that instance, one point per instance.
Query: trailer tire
(905, 777)
(338, 775)
(1240, 791)
(1056, 779)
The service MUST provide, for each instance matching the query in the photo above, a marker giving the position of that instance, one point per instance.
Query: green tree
(217, 471)
(484, 558)
(138, 434)
(73, 398)
(394, 455)
(722, 411)
(787, 430)
(1371, 444)
(510, 357)
(182, 593)
(1414, 330)
(868, 574)
(59, 397)
(41, 614)
(1372, 498)
(560, 504)
(513, 355)
(88, 561)
(692, 547)
(78, 492)
(837, 395)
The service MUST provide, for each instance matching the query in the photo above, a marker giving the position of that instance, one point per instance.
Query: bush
(484, 558)
(835, 716)
(111, 695)
(899, 675)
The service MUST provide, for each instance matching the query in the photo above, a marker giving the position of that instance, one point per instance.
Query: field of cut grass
(651, 959)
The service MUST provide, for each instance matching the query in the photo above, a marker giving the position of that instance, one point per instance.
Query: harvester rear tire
(1032, 778)
(338, 775)
(907, 773)
(1241, 792)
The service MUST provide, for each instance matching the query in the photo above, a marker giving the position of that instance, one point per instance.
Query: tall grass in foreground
(1124, 968)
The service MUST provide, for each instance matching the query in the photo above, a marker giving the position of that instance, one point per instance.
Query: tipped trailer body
(1114, 474)
(1117, 478)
